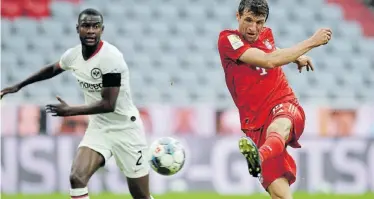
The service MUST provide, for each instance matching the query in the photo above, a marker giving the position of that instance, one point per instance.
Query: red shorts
(283, 165)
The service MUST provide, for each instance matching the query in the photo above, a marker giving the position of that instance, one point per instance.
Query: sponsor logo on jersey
(235, 41)
(96, 73)
(90, 87)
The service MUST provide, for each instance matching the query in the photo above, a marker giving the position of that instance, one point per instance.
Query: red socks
(273, 146)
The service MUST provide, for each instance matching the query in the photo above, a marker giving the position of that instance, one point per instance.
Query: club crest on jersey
(268, 45)
(95, 73)
(235, 41)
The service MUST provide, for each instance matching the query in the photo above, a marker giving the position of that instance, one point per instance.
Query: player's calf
(85, 164)
(78, 179)
(280, 189)
(139, 187)
(277, 134)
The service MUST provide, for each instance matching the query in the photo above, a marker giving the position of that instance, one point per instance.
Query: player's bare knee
(282, 126)
(281, 197)
(78, 179)
(280, 194)
(275, 197)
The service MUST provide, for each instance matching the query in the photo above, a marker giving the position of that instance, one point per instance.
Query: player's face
(250, 25)
(90, 28)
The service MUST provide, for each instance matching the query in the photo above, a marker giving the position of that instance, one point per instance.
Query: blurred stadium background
(177, 82)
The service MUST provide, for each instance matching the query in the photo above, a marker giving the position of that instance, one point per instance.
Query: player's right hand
(12, 89)
(321, 37)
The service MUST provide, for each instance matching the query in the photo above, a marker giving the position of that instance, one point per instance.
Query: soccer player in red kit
(270, 114)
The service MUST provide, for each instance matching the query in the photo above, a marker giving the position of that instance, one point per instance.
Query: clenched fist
(321, 37)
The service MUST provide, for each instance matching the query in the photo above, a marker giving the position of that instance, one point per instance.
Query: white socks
(80, 193)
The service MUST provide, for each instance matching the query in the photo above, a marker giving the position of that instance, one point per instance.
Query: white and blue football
(167, 156)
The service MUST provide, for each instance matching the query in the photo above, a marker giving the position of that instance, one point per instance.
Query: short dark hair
(90, 11)
(258, 7)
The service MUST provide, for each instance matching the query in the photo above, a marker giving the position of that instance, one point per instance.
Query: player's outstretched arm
(284, 56)
(106, 105)
(303, 62)
(47, 72)
(109, 95)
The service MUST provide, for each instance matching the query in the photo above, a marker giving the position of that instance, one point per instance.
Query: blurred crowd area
(174, 41)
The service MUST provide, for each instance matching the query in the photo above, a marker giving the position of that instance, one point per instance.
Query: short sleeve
(66, 59)
(231, 45)
(112, 64)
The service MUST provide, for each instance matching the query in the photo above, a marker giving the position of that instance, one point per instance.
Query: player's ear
(237, 16)
(77, 28)
(102, 28)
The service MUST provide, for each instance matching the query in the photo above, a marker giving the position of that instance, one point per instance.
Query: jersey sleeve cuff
(240, 52)
(59, 65)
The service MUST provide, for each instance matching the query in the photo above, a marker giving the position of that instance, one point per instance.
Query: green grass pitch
(193, 196)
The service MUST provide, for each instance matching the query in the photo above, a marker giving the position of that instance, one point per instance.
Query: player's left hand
(62, 109)
(304, 61)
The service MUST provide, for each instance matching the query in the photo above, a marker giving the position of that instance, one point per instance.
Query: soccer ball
(167, 156)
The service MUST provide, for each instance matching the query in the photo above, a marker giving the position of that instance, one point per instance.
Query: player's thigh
(281, 125)
(93, 152)
(287, 119)
(132, 158)
(85, 164)
(130, 151)
(280, 188)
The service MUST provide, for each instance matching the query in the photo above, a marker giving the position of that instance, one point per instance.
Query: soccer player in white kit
(115, 128)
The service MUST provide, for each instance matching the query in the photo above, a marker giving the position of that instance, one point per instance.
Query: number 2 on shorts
(138, 163)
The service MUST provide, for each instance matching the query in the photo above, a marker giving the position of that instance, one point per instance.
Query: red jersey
(254, 90)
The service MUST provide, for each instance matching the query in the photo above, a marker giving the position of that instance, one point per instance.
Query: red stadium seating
(11, 9)
(35, 9)
(356, 10)
(72, 1)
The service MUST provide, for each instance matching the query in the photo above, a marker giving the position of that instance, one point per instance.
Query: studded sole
(250, 152)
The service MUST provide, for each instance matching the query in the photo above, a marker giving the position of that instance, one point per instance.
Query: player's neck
(89, 51)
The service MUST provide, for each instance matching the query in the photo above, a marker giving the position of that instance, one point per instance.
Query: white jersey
(89, 73)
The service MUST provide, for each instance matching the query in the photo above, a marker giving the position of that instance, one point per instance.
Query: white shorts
(128, 146)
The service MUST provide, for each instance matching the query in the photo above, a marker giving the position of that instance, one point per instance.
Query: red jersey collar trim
(99, 46)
